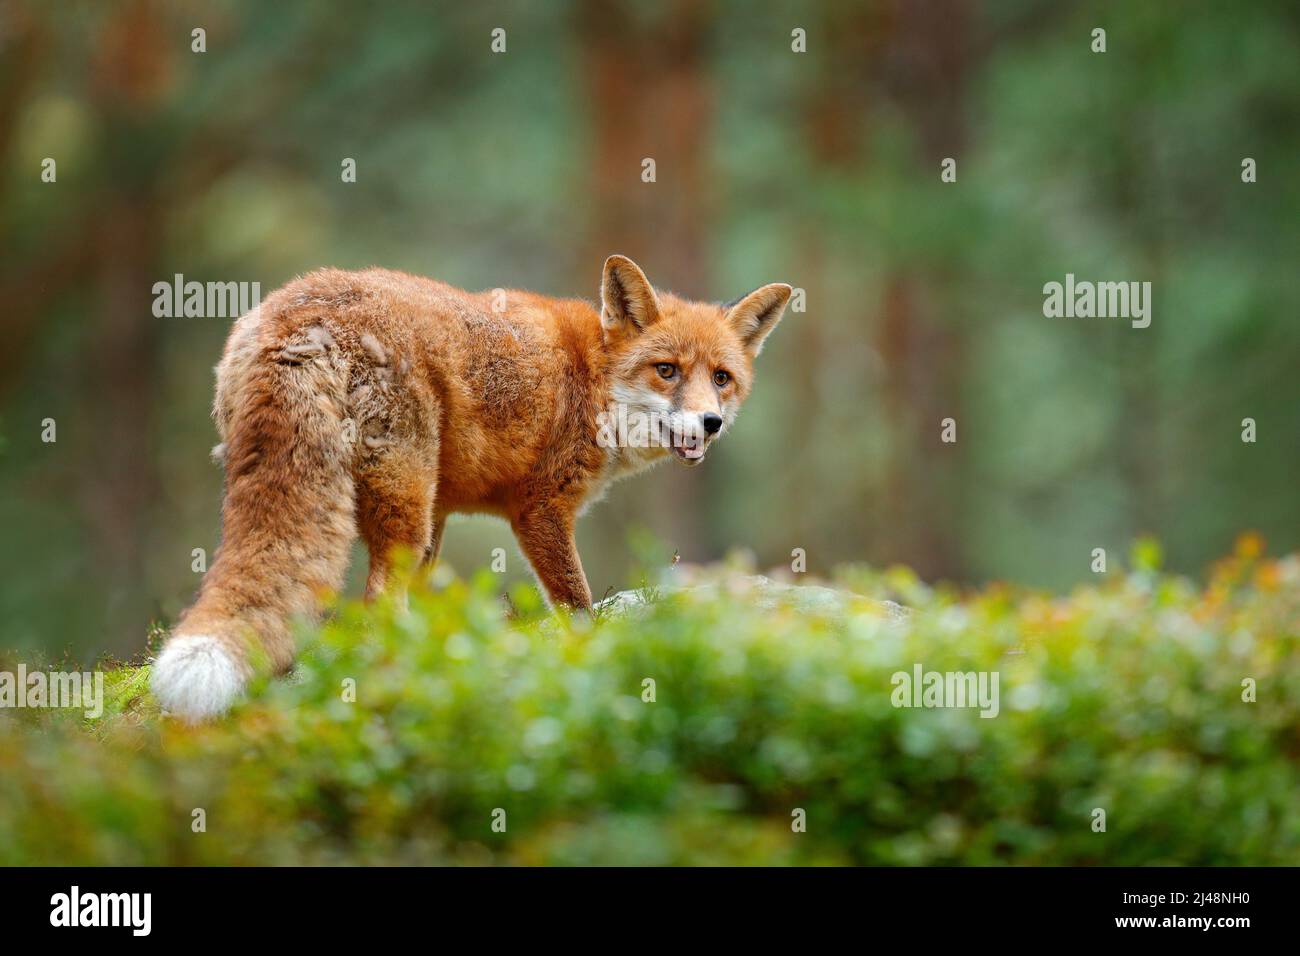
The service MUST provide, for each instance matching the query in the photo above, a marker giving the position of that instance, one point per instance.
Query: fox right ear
(628, 303)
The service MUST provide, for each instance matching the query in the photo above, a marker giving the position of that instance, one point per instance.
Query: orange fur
(379, 403)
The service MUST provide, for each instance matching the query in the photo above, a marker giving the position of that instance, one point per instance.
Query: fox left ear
(628, 303)
(754, 316)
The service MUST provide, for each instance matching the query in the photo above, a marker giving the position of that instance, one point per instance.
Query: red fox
(378, 403)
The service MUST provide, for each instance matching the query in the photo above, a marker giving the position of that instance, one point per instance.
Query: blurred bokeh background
(821, 169)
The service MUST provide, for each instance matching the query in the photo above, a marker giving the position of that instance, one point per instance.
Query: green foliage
(1125, 696)
(923, 298)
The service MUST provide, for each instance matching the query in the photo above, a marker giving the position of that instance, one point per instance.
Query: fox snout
(695, 425)
(690, 434)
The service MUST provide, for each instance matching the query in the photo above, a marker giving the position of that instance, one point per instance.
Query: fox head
(679, 370)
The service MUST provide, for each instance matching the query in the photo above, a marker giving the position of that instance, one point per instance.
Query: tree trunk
(650, 99)
(922, 351)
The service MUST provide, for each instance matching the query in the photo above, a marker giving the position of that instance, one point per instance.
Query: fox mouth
(689, 449)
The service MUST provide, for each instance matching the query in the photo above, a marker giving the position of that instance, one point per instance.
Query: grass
(701, 728)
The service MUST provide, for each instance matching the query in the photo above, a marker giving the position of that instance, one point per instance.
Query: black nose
(712, 422)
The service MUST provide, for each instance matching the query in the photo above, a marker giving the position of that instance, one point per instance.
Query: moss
(1125, 697)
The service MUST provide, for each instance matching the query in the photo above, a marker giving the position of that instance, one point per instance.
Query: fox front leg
(546, 538)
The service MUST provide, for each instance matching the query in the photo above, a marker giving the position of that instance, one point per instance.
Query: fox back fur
(378, 403)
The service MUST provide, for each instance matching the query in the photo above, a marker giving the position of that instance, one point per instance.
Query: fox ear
(755, 315)
(628, 303)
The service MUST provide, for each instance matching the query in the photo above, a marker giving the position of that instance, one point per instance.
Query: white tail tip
(195, 677)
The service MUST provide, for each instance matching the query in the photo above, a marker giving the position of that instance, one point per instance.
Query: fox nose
(712, 423)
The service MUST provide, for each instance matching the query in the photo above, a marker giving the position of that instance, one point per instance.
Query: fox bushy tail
(287, 522)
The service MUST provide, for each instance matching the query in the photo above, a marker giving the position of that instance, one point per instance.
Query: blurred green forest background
(821, 169)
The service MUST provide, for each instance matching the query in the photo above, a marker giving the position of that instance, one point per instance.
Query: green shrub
(1125, 697)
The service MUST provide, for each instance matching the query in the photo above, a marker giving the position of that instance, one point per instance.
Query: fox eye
(721, 378)
(666, 369)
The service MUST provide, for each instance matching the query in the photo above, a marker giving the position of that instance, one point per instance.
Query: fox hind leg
(395, 511)
(435, 540)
